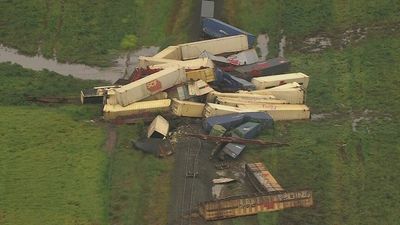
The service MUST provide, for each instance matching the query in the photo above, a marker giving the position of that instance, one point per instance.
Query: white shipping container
(281, 112)
(189, 64)
(214, 46)
(171, 52)
(145, 61)
(114, 111)
(187, 108)
(150, 85)
(211, 97)
(238, 101)
(212, 109)
(276, 80)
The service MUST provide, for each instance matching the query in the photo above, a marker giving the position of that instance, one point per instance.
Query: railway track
(189, 198)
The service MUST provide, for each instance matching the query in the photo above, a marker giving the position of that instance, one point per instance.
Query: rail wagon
(251, 205)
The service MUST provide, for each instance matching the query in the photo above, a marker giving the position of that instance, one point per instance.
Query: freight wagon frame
(250, 205)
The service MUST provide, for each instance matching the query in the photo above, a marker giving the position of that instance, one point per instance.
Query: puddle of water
(262, 44)
(76, 70)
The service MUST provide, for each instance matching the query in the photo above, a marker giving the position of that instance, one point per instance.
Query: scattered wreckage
(236, 95)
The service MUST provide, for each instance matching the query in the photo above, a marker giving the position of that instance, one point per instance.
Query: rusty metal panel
(251, 205)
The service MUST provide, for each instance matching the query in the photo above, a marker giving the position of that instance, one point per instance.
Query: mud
(80, 71)
(111, 138)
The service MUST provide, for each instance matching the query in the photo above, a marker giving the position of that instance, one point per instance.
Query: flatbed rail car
(261, 178)
(251, 205)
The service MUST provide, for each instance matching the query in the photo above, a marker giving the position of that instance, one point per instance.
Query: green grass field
(89, 32)
(307, 18)
(140, 183)
(54, 163)
(350, 157)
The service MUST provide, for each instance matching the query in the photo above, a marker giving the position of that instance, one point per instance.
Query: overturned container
(261, 178)
(233, 149)
(281, 112)
(226, 121)
(247, 130)
(216, 29)
(217, 46)
(158, 128)
(187, 108)
(269, 67)
(277, 80)
(137, 108)
(150, 85)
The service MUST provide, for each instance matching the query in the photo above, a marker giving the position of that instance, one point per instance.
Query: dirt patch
(111, 141)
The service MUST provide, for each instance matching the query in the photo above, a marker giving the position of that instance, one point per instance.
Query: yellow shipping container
(114, 111)
(187, 108)
(206, 75)
(282, 111)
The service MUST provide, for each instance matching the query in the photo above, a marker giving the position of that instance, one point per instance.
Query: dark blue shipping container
(227, 82)
(217, 29)
(273, 66)
(227, 121)
(247, 130)
(233, 150)
(263, 118)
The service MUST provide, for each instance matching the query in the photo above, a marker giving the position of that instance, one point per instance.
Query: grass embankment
(88, 32)
(300, 19)
(352, 171)
(54, 168)
(52, 162)
(140, 183)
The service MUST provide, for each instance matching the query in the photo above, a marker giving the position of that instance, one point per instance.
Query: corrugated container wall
(214, 46)
(150, 85)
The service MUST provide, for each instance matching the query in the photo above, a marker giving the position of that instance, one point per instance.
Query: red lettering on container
(153, 86)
